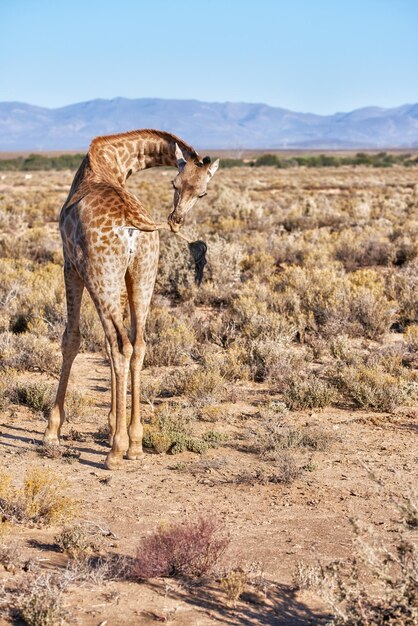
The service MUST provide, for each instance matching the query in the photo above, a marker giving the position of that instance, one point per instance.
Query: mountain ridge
(211, 125)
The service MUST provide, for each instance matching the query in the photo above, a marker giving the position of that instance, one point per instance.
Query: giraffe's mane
(143, 133)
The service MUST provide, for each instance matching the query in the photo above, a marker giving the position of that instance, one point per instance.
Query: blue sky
(320, 56)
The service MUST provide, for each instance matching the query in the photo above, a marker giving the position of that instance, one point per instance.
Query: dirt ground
(270, 524)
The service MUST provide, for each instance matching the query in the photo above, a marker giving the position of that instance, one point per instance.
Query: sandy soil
(273, 524)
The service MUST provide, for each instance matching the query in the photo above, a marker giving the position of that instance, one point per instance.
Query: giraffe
(111, 246)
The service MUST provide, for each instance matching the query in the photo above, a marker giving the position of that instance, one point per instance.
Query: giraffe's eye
(202, 195)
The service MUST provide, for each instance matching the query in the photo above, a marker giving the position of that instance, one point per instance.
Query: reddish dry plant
(186, 549)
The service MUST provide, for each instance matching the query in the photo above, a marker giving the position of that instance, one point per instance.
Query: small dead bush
(170, 430)
(308, 393)
(11, 557)
(370, 387)
(39, 501)
(190, 549)
(80, 540)
(390, 598)
(203, 386)
(411, 338)
(234, 583)
(77, 406)
(170, 340)
(36, 396)
(29, 352)
(40, 603)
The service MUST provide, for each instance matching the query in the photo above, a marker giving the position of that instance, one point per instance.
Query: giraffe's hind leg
(120, 355)
(70, 345)
(138, 304)
(107, 300)
(112, 412)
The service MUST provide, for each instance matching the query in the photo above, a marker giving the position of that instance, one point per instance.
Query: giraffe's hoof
(113, 462)
(51, 439)
(135, 453)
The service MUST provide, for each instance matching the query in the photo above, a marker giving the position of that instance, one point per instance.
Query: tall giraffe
(111, 244)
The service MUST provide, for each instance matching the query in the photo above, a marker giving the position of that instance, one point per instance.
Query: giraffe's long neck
(115, 157)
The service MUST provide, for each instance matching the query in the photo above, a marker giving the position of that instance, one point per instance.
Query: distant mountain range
(209, 125)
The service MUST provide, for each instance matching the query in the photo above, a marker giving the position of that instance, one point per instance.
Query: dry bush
(368, 305)
(36, 396)
(39, 501)
(170, 430)
(50, 451)
(96, 570)
(223, 272)
(366, 249)
(80, 540)
(402, 288)
(11, 557)
(378, 584)
(275, 435)
(40, 602)
(371, 387)
(77, 406)
(391, 597)
(308, 393)
(190, 549)
(234, 583)
(203, 386)
(175, 268)
(272, 361)
(7, 385)
(28, 352)
(91, 329)
(233, 362)
(170, 341)
(411, 338)
(285, 471)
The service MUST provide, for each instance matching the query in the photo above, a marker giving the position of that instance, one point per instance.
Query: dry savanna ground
(278, 402)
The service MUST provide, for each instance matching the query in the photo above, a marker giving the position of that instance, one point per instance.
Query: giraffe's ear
(180, 157)
(212, 169)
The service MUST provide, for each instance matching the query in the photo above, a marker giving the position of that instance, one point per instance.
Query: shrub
(411, 338)
(77, 406)
(91, 329)
(40, 602)
(36, 396)
(188, 549)
(377, 586)
(28, 352)
(203, 386)
(234, 583)
(80, 540)
(309, 393)
(272, 361)
(169, 340)
(170, 431)
(40, 500)
(373, 312)
(373, 388)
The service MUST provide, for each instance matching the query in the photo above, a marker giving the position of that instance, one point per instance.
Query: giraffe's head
(189, 185)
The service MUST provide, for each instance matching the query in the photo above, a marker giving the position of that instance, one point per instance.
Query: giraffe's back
(100, 245)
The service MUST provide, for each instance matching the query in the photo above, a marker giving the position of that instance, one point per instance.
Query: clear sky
(320, 56)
